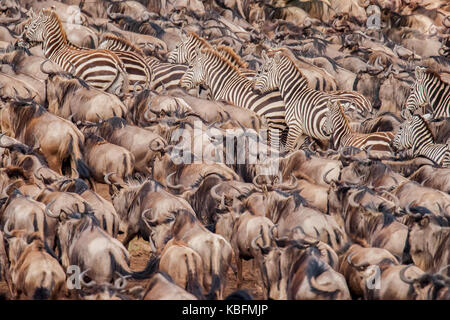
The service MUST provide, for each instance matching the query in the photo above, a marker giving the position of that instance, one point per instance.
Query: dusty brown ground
(139, 250)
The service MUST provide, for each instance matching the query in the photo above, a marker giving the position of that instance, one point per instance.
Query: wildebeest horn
(113, 16)
(137, 84)
(147, 116)
(48, 212)
(319, 287)
(403, 277)
(106, 178)
(411, 214)
(150, 240)
(255, 245)
(90, 283)
(443, 268)
(6, 230)
(215, 195)
(121, 282)
(351, 199)
(393, 196)
(171, 185)
(349, 259)
(271, 231)
(293, 185)
(158, 148)
(42, 66)
(324, 178)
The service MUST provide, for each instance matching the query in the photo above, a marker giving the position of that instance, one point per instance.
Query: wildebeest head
(428, 236)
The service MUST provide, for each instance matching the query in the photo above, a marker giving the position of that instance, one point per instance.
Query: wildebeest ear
(424, 221)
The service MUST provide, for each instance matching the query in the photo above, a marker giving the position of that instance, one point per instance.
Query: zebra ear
(277, 57)
(264, 55)
(419, 72)
(30, 13)
(329, 104)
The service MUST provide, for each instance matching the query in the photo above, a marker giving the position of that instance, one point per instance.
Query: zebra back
(341, 134)
(133, 59)
(100, 68)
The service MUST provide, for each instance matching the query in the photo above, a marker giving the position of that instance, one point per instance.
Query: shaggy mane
(290, 56)
(203, 41)
(125, 42)
(222, 59)
(234, 57)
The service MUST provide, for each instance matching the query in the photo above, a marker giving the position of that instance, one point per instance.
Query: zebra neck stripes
(429, 88)
(415, 134)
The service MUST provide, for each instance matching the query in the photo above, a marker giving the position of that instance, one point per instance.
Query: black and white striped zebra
(139, 72)
(306, 108)
(430, 89)
(185, 53)
(100, 68)
(225, 82)
(415, 134)
(165, 75)
(341, 135)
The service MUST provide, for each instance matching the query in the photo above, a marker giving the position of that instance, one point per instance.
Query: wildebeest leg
(130, 235)
(239, 270)
(54, 164)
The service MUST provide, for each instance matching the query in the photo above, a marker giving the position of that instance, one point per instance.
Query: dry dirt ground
(140, 251)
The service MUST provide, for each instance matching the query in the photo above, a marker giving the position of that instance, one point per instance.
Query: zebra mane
(51, 13)
(234, 56)
(222, 59)
(435, 74)
(203, 41)
(341, 111)
(285, 52)
(125, 42)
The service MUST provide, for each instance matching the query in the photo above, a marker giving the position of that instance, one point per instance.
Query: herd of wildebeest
(339, 109)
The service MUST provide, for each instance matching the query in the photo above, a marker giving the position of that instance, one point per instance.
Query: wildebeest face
(425, 237)
(274, 274)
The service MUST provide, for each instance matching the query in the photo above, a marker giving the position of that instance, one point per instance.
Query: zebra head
(403, 138)
(333, 110)
(265, 79)
(34, 30)
(180, 54)
(417, 95)
(195, 74)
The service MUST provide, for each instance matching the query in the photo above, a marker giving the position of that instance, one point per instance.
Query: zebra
(430, 89)
(306, 108)
(137, 68)
(225, 82)
(100, 68)
(185, 53)
(166, 76)
(415, 134)
(341, 135)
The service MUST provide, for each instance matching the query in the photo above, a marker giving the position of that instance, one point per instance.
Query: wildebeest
(61, 146)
